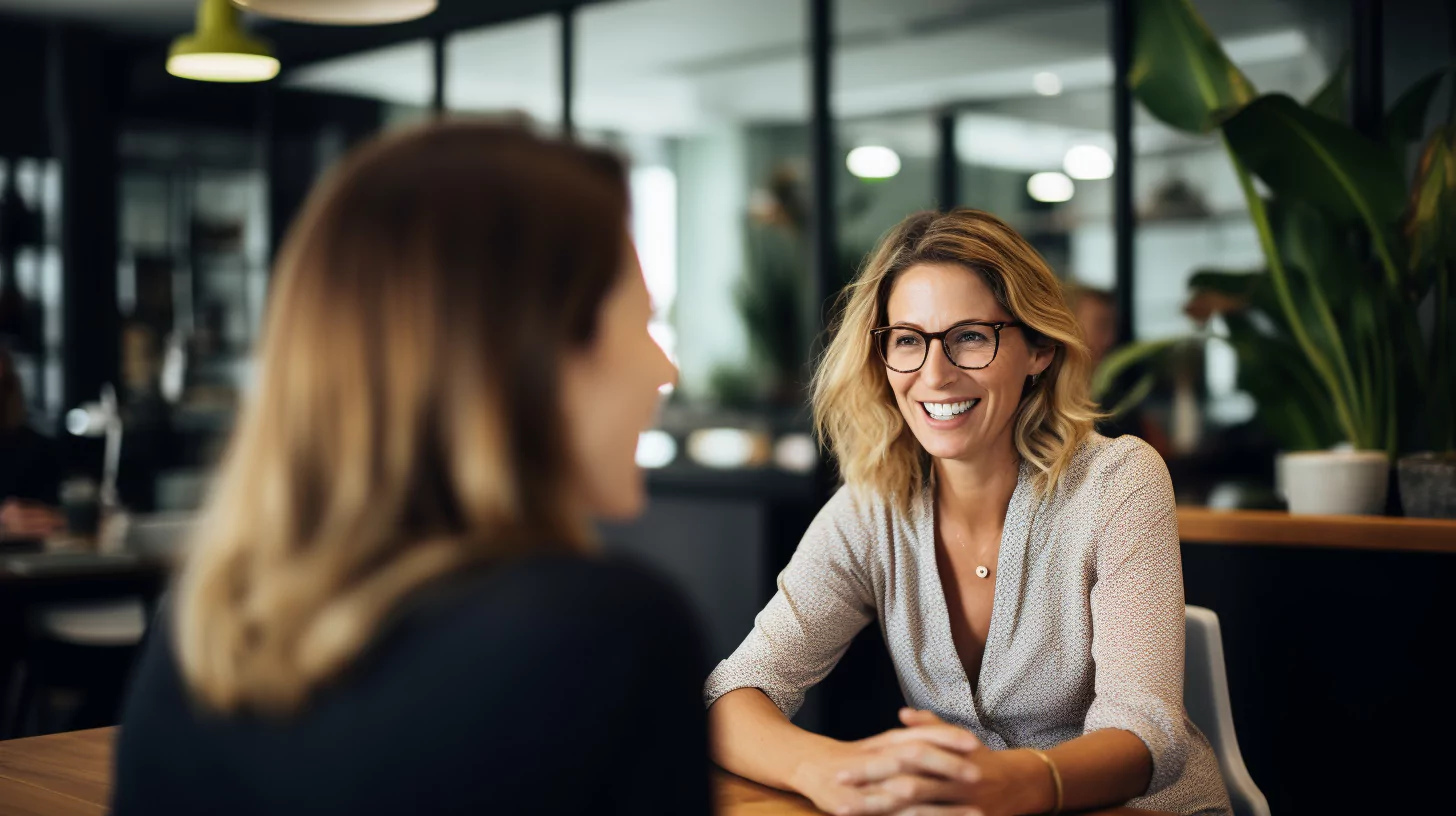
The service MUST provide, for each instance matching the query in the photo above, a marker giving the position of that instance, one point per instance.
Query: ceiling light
(341, 12)
(1050, 188)
(873, 162)
(1088, 163)
(219, 50)
(1047, 83)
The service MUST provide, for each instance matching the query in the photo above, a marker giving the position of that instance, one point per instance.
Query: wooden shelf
(1200, 525)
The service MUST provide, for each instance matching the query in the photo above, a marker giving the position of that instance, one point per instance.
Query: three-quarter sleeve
(1137, 620)
(824, 599)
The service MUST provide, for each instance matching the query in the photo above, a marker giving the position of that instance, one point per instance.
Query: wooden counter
(1200, 525)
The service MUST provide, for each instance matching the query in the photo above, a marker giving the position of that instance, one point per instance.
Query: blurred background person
(30, 467)
(1096, 312)
(394, 603)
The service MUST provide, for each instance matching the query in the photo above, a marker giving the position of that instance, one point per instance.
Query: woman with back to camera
(1024, 570)
(393, 604)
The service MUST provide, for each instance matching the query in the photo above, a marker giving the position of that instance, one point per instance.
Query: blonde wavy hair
(855, 413)
(406, 419)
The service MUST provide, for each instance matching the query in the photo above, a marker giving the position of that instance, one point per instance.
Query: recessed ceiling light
(1088, 163)
(1047, 83)
(1050, 188)
(873, 162)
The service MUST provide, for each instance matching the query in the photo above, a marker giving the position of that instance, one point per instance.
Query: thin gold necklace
(982, 571)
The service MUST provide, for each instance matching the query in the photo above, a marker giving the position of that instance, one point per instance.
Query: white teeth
(946, 410)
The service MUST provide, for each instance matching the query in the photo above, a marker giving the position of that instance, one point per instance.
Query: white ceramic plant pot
(1334, 483)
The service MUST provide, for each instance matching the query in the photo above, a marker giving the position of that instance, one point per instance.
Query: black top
(552, 685)
(30, 467)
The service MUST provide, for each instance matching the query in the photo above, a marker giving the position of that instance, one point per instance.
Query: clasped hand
(927, 768)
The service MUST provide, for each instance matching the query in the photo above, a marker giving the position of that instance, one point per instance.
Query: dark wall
(24, 128)
(298, 127)
(83, 106)
(1420, 37)
(1337, 672)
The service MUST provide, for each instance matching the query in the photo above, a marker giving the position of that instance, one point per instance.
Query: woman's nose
(938, 369)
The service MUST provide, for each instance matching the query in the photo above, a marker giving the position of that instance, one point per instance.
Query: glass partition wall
(1011, 98)
(1006, 107)
(707, 100)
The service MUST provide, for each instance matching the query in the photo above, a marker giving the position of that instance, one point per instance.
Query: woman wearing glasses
(1024, 571)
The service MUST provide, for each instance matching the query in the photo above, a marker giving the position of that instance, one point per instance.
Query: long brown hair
(405, 420)
(854, 410)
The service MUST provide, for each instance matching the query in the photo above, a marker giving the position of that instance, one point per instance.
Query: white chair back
(1206, 697)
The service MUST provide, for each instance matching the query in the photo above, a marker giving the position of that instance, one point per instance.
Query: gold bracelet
(1056, 779)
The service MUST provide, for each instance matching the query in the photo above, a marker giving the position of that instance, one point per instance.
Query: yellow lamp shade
(341, 12)
(219, 50)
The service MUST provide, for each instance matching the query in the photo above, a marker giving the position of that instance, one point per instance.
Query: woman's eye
(907, 340)
(970, 337)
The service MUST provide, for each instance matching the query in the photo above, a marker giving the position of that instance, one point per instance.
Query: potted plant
(1346, 336)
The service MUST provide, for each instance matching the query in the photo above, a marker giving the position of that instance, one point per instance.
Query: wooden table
(70, 775)
(58, 775)
(738, 797)
(59, 577)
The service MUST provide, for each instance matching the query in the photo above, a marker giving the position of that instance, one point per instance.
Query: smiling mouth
(948, 410)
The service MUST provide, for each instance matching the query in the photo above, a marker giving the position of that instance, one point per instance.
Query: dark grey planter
(1428, 485)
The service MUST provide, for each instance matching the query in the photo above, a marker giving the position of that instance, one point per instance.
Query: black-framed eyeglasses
(971, 344)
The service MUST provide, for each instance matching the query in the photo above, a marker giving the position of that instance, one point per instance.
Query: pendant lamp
(341, 12)
(219, 50)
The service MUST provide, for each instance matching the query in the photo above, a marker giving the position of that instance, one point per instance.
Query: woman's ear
(1041, 358)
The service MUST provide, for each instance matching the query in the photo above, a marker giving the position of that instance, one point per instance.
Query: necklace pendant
(982, 572)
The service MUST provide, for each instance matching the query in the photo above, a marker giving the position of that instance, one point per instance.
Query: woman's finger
(911, 758)
(910, 789)
(916, 716)
(940, 810)
(946, 736)
(851, 801)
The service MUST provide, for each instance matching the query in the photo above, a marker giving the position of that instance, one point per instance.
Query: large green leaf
(1278, 376)
(1314, 244)
(1307, 157)
(1431, 221)
(1406, 121)
(1329, 100)
(1328, 326)
(1239, 285)
(1251, 289)
(1179, 71)
(1128, 357)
